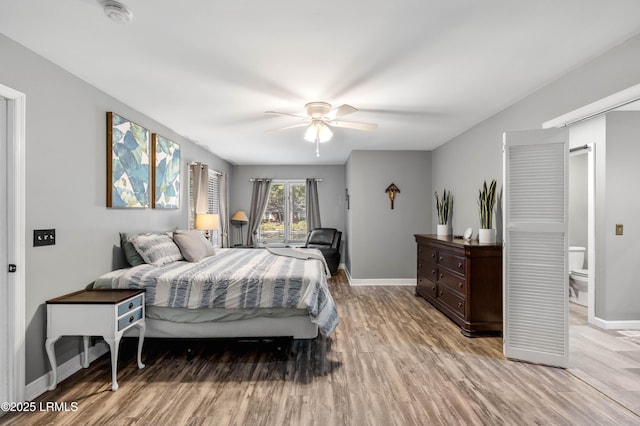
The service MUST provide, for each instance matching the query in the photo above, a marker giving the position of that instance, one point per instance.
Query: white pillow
(156, 249)
(193, 245)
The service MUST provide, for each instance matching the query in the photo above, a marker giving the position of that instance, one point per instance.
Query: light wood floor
(394, 360)
(609, 360)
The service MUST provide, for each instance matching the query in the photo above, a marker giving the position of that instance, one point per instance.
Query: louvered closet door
(535, 236)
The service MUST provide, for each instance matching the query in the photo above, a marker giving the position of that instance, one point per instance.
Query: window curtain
(200, 180)
(259, 201)
(313, 208)
(224, 210)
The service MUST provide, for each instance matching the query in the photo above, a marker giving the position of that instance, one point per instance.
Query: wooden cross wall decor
(392, 190)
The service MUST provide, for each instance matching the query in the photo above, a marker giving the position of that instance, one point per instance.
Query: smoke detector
(117, 11)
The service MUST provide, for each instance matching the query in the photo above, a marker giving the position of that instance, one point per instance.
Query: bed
(235, 293)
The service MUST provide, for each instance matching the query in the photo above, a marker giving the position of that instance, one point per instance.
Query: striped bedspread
(235, 278)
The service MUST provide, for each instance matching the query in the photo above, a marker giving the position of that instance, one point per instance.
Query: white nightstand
(106, 313)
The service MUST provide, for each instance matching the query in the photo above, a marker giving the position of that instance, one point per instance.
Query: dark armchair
(327, 240)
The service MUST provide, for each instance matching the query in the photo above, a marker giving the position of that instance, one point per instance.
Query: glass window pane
(298, 213)
(272, 225)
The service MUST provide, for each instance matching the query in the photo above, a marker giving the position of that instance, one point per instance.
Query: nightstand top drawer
(108, 296)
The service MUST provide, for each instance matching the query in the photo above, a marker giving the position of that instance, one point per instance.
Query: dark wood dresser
(462, 279)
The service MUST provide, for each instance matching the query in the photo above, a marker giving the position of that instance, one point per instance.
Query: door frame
(15, 301)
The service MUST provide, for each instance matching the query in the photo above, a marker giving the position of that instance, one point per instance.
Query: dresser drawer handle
(433, 272)
(460, 285)
(433, 255)
(441, 276)
(441, 258)
(459, 264)
(131, 318)
(441, 292)
(459, 304)
(130, 305)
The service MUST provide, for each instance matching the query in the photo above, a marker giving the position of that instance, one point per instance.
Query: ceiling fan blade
(304, 117)
(291, 126)
(353, 125)
(340, 111)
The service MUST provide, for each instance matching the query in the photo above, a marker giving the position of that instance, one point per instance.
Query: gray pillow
(130, 253)
(191, 246)
(156, 249)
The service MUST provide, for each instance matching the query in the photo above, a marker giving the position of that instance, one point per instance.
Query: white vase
(487, 236)
(443, 230)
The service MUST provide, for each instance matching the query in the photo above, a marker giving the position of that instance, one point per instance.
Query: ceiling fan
(320, 117)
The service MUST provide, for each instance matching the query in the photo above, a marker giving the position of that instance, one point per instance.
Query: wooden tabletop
(106, 296)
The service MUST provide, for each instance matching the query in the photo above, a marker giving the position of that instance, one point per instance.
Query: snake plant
(486, 202)
(443, 206)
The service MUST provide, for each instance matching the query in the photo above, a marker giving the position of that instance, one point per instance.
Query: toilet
(578, 276)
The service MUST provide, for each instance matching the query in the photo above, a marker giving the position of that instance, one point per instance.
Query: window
(285, 219)
(213, 195)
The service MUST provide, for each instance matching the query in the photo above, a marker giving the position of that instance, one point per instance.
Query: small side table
(107, 313)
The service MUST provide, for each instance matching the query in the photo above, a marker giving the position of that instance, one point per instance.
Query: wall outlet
(619, 229)
(44, 237)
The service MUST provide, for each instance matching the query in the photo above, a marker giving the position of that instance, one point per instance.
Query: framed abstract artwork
(165, 181)
(127, 163)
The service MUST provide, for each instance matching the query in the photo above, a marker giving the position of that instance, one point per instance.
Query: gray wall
(66, 188)
(331, 196)
(622, 300)
(381, 242)
(462, 163)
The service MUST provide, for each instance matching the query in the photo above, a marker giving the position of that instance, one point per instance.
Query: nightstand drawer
(129, 319)
(129, 305)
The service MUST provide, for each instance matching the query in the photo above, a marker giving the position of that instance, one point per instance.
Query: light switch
(44, 237)
(618, 229)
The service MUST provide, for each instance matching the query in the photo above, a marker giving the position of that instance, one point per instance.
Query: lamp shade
(206, 222)
(240, 217)
(318, 132)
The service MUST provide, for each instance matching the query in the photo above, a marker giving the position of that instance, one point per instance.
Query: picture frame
(127, 163)
(165, 180)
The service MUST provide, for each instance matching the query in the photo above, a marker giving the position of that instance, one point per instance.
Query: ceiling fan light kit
(320, 118)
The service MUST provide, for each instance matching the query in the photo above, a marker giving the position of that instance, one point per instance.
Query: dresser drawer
(429, 270)
(452, 300)
(452, 262)
(129, 305)
(129, 319)
(426, 255)
(452, 281)
(426, 286)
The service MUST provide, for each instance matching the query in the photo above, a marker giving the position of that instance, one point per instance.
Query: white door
(12, 245)
(536, 320)
(4, 335)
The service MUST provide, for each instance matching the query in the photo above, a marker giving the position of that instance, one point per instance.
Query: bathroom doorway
(582, 212)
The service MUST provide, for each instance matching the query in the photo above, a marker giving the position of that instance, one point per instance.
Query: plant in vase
(486, 203)
(443, 207)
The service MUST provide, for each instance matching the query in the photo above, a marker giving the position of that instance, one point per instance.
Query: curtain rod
(193, 163)
(254, 179)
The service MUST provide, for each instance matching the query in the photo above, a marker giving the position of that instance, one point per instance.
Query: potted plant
(486, 203)
(443, 207)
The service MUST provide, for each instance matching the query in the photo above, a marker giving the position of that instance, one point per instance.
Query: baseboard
(379, 281)
(382, 281)
(41, 384)
(616, 325)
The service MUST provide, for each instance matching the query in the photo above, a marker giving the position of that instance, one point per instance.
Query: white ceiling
(424, 70)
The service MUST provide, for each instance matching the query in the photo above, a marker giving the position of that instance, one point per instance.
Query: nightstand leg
(113, 346)
(142, 327)
(48, 344)
(85, 354)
